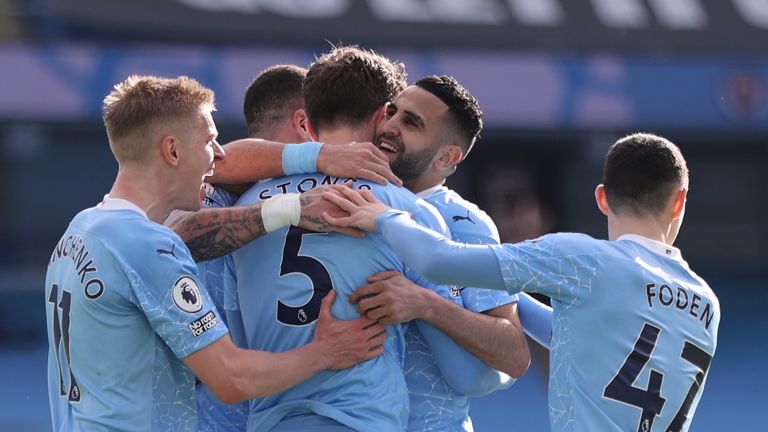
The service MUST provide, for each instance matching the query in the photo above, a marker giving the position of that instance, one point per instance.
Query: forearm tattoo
(214, 232)
(315, 223)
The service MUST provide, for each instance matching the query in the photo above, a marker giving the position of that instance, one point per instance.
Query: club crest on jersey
(186, 294)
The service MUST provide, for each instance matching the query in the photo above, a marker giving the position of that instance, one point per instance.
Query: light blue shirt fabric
(634, 327)
(214, 415)
(281, 280)
(435, 405)
(123, 305)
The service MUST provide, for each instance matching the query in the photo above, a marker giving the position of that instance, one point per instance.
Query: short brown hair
(348, 84)
(141, 102)
(641, 172)
(272, 96)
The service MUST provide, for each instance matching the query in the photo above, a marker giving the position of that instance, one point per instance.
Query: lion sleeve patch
(186, 295)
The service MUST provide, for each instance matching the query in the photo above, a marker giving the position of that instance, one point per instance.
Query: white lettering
(621, 13)
(537, 12)
(307, 8)
(754, 12)
(468, 11)
(250, 6)
(400, 10)
(679, 14)
(287, 8)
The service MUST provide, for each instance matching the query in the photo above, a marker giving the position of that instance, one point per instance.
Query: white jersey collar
(656, 246)
(426, 193)
(109, 203)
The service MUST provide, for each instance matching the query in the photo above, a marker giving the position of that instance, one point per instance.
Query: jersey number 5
(318, 275)
(650, 401)
(61, 334)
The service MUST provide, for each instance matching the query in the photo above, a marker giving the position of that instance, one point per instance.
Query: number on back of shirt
(320, 280)
(61, 342)
(622, 389)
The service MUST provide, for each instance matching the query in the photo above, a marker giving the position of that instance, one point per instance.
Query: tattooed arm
(217, 231)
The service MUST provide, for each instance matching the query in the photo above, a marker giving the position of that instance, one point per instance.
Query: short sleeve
(167, 289)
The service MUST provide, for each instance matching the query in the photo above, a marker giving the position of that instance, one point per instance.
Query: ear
(300, 124)
(678, 205)
(169, 148)
(449, 156)
(379, 114)
(311, 132)
(602, 200)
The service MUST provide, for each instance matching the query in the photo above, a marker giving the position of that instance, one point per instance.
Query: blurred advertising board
(647, 26)
(67, 81)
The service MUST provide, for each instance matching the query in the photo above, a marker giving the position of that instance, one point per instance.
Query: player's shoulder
(140, 242)
(570, 244)
(401, 198)
(700, 285)
(467, 221)
(392, 195)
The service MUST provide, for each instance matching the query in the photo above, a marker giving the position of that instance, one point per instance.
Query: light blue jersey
(214, 415)
(602, 292)
(435, 405)
(635, 329)
(123, 305)
(281, 280)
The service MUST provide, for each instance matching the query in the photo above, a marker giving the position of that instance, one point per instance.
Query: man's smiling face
(412, 131)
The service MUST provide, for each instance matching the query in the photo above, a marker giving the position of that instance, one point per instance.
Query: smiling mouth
(388, 147)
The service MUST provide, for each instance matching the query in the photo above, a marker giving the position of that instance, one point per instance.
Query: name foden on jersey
(73, 247)
(681, 299)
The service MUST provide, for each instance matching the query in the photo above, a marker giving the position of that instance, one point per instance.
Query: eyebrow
(415, 117)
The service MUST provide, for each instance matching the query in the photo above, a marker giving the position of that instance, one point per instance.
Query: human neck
(648, 227)
(423, 183)
(346, 134)
(147, 190)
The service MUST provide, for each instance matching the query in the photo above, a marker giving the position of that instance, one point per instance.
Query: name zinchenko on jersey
(307, 183)
(73, 247)
(682, 299)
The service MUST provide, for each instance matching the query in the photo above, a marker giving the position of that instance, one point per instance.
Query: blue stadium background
(558, 81)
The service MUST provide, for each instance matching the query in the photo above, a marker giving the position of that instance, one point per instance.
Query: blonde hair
(141, 102)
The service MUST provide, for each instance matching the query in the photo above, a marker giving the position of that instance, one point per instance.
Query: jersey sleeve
(466, 373)
(462, 370)
(560, 266)
(167, 289)
(536, 318)
(479, 230)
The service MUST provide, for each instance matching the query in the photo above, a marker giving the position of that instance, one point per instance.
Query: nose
(218, 151)
(388, 126)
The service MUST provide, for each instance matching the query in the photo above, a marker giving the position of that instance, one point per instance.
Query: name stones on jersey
(186, 294)
(306, 183)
